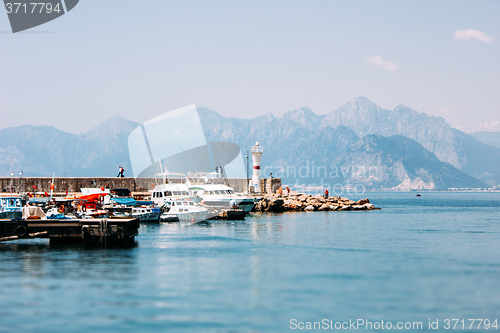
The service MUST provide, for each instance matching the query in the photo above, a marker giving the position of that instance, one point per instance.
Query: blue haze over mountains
(490, 138)
(403, 148)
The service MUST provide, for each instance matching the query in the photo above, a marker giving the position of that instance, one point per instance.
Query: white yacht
(214, 192)
(172, 187)
(186, 210)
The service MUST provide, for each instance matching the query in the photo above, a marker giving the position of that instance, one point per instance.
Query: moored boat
(11, 206)
(146, 214)
(213, 191)
(169, 187)
(186, 210)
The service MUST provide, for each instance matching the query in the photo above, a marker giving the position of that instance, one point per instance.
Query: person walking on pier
(120, 174)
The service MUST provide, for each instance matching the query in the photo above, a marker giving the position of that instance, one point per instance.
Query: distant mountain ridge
(361, 117)
(44, 150)
(365, 117)
(400, 163)
(433, 133)
(300, 140)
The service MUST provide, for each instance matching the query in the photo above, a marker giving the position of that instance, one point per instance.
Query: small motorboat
(146, 214)
(187, 210)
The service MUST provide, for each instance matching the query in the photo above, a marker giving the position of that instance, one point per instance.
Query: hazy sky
(248, 58)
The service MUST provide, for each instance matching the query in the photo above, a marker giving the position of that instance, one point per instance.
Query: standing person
(120, 173)
(271, 175)
(326, 193)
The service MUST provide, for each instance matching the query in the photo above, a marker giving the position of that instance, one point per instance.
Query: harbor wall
(73, 184)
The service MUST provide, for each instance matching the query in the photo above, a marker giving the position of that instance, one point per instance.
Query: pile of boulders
(309, 203)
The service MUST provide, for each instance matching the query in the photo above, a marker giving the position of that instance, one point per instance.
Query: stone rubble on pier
(305, 202)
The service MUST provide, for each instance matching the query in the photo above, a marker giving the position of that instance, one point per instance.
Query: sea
(433, 260)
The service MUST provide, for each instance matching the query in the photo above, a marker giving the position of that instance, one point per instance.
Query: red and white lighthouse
(257, 151)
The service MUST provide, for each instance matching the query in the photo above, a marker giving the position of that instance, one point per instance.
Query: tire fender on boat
(21, 231)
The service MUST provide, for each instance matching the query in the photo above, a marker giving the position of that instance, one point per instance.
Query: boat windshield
(11, 202)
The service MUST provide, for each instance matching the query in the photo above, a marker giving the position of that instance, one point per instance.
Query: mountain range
(407, 149)
(44, 150)
(301, 138)
(398, 162)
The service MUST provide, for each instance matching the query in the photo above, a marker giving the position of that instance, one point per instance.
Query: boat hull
(246, 204)
(147, 217)
(11, 215)
(192, 216)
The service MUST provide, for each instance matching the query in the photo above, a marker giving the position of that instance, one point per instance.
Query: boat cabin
(10, 203)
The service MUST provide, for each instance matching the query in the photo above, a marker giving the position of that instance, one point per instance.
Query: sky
(248, 58)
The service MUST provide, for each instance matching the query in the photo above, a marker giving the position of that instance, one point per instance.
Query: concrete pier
(73, 184)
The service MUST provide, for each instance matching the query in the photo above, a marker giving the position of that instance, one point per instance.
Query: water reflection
(45, 260)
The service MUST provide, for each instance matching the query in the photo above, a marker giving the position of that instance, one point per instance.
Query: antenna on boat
(52, 185)
(188, 182)
(162, 171)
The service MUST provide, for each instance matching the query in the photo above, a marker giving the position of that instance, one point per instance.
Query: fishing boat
(11, 206)
(90, 205)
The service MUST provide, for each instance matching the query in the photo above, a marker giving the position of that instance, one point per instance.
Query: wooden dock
(88, 231)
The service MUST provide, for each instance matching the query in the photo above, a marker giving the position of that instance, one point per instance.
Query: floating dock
(87, 231)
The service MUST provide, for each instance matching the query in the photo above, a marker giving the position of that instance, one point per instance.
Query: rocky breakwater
(309, 203)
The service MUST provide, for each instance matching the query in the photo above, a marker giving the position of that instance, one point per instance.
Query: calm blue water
(433, 257)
